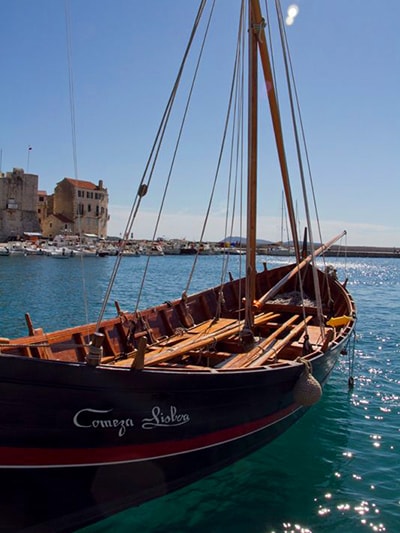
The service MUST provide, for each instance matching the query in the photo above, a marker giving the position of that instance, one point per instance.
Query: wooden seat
(246, 358)
(196, 338)
(316, 336)
(272, 353)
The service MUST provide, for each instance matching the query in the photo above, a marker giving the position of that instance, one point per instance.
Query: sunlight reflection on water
(337, 470)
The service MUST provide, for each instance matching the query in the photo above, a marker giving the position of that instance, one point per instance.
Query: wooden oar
(203, 339)
(281, 343)
(245, 359)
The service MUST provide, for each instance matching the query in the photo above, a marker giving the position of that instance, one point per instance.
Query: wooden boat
(101, 417)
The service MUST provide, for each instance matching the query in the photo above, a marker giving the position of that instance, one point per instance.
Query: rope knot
(258, 28)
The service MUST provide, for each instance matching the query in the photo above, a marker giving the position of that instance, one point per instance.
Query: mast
(251, 175)
(259, 23)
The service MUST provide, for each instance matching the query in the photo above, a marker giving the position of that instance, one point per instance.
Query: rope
(352, 343)
(149, 169)
(258, 30)
(307, 364)
(73, 135)
(237, 138)
(293, 96)
(177, 144)
(216, 175)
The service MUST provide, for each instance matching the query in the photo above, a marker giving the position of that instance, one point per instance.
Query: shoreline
(151, 248)
(351, 251)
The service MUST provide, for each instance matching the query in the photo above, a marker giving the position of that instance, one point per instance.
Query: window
(12, 204)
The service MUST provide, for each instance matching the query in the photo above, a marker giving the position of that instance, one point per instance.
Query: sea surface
(337, 470)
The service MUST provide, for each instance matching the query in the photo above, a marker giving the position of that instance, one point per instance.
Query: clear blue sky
(125, 55)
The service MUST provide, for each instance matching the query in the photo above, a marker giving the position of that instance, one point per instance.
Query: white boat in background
(153, 249)
(85, 251)
(172, 247)
(17, 248)
(61, 253)
(131, 253)
(34, 250)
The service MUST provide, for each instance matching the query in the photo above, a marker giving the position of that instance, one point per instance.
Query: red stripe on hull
(12, 457)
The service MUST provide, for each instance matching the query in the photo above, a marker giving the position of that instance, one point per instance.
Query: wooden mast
(251, 175)
(259, 23)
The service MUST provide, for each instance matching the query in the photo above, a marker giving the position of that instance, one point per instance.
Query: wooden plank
(314, 336)
(290, 308)
(81, 350)
(43, 352)
(273, 352)
(108, 345)
(244, 359)
(209, 326)
(176, 341)
(215, 332)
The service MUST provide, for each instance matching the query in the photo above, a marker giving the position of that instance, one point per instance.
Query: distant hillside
(241, 241)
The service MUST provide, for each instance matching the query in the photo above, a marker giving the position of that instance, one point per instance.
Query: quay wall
(352, 251)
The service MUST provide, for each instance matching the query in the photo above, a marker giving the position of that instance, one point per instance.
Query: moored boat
(100, 417)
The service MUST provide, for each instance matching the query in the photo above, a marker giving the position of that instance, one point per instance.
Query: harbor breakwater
(364, 251)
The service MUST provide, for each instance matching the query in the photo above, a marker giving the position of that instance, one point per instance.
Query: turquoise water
(337, 470)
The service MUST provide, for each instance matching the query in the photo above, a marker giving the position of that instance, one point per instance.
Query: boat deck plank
(195, 338)
(216, 332)
(246, 358)
(273, 352)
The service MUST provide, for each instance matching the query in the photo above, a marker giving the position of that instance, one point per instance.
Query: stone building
(57, 225)
(18, 204)
(82, 206)
(42, 208)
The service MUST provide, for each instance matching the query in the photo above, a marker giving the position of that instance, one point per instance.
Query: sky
(95, 117)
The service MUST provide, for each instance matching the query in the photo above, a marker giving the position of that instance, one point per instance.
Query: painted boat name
(160, 419)
(89, 419)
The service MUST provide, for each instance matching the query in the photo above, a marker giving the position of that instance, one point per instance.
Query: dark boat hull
(84, 468)
(81, 442)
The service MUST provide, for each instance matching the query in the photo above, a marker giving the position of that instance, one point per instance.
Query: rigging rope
(67, 10)
(236, 161)
(150, 165)
(291, 84)
(307, 159)
(183, 121)
(237, 83)
(223, 141)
